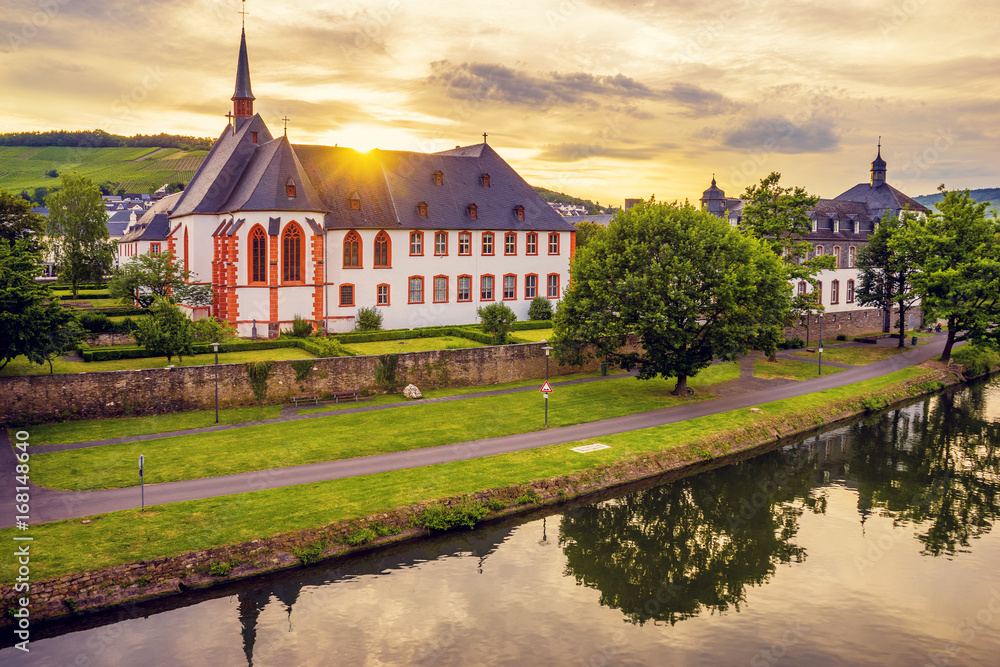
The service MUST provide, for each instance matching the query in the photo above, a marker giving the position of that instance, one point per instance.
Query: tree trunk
(946, 355)
(682, 386)
(902, 326)
(773, 358)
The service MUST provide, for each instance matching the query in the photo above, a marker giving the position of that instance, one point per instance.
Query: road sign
(140, 464)
(546, 389)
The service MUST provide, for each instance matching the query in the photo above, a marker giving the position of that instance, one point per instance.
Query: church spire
(878, 167)
(243, 97)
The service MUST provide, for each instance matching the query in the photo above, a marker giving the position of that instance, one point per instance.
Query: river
(869, 544)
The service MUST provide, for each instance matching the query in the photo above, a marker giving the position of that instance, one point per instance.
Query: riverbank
(369, 511)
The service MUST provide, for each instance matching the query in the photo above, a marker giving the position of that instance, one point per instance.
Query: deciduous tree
(886, 274)
(497, 319)
(148, 277)
(779, 216)
(688, 284)
(17, 222)
(166, 331)
(957, 253)
(78, 230)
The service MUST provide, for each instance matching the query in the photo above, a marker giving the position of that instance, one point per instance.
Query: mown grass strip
(787, 369)
(854, 356)
(351, 435)
(166, 530)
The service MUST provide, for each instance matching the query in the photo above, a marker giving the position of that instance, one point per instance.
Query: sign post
(142, 483)
(546, 389)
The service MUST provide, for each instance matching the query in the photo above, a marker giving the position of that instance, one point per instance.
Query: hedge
(115, 352)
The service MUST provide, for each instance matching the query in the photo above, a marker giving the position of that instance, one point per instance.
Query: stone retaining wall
(850, 324)
(95, 395)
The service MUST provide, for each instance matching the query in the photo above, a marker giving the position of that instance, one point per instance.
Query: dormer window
(253, 137)
(473, 211)
(290, 189)
(422, 209)
(814, 224)
(438, 178)
(485, 180)
(355, 203)
(836, 226)
(519, 212)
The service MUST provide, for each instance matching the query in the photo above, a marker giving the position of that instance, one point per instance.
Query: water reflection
(678, 550)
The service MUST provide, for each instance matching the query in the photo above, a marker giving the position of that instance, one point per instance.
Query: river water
(870, 544)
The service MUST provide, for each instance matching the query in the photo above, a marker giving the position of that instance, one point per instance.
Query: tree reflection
(935, 465)
(666, 553)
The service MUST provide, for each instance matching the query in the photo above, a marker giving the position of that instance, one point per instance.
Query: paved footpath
(51, 505)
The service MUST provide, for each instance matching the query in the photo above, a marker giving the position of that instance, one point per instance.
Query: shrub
(325, 347)
(529, 497)
(440, 518)
(385, 372)
(167, 331)
(841, 336)
(259, 371)
(369, 319)
(496, 505)
(220, 569)
(496, 319)
(540, 309)
(791, 343)
(977, 360)
(360, 536)
(302, 368)
(300, 328)
(309, 554)
(213, 330)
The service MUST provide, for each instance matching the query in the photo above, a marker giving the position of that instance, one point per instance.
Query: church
(840, 227)
(282, 229)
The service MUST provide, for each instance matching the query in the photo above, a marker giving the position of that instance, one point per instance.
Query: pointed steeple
(878, 167)
(243, 97)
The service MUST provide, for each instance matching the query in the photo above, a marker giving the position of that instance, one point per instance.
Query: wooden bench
(875, 338)
(303, 398)
(344, 396)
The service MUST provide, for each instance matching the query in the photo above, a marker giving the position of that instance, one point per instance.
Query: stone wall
(41, 398)
(850, 323)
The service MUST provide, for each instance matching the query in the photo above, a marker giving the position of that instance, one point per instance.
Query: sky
(601, 99)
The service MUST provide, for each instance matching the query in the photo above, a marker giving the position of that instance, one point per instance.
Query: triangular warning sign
(546, 389)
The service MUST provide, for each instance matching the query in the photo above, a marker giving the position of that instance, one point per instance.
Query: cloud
(499, 83)
(778, 134)
(574, 152)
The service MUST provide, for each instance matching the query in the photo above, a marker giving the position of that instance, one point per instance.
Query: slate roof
(391, 184)
(601, 219)
(220, 172)
(243, 91)
(882, 197)
(154, 225)
(262, 186)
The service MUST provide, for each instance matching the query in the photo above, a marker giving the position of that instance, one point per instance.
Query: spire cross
(484, 137)
(244, 13)
(230, 116)
(286, 119)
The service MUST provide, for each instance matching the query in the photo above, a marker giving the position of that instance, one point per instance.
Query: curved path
(50, 505)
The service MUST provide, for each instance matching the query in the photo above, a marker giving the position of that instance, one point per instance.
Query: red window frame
(493, 287)
(467, 238)
(492, 239)
(458, 288)
(382, 239)
(548, 291)
(510, 243)
(293, 232)
(554, 236)
(378, 288)
(340, 295)
(409, 289)
(353, 238)
(513, 291)
(434, 293)
(436, 237)
(420, 236)
(534, 285)
(531, 244)
(258, 256)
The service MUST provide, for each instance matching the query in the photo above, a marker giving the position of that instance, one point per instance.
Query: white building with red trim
(282, 230)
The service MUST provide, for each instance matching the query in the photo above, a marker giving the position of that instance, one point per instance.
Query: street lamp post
(215, 346)
(548, 350)
(820, 343)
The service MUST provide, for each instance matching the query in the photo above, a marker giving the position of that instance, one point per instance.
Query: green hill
(560, 198)
(136, 169)
(990, 195)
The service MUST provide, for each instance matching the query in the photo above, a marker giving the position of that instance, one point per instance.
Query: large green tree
(585, 231)
(166, 331)
(17, 222)
(885, 273)
(148, 277)
(779, 217)
(957, 253)
(689, 285)
(78, 231)
(32, 323)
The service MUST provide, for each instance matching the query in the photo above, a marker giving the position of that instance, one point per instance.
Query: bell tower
(243, 97)
(878, 167)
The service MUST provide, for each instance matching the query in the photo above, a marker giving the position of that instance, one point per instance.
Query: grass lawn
(352, 435)
(21, 365)
(164, 530)
(123, 427)
(412, 345)
(789, 370)
(532, 335)
(854, 356)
